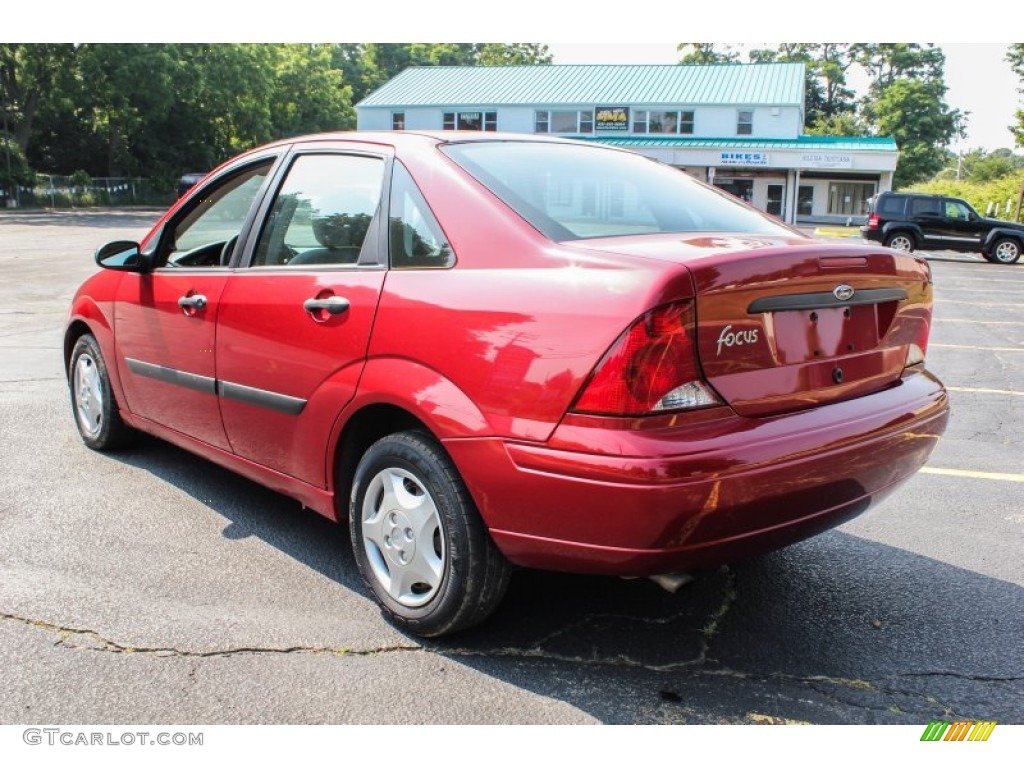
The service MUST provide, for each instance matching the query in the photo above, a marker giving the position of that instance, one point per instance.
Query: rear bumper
(636, 501)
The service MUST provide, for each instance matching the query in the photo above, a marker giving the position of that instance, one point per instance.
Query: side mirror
(122, 255)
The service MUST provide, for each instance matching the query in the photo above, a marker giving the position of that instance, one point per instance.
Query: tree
(706, 53)
(1015, 55)
(129, 86)
(906, 101)
(829, 104)
(29, 74)
(922, 125)
(888, 62)
(508, 54)
(843, 124)
(382, 61)
(308, 95)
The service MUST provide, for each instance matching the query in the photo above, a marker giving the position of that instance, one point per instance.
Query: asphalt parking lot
(153, 587)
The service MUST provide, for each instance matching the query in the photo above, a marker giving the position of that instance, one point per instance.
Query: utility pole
(7, 151)
(1020, 199)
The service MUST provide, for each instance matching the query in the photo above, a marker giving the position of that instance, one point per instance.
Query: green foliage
(981, 166)
(978, 194)
(705, 53)
(159, 110)
(20, 172)
(1015, 55)
(843, 124)
(828, 103)
(906, 101)
(913, 113)
(382, 61)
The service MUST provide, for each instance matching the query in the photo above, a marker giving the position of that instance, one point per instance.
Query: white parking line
(983, 349)
(983, 391)
(980, 303)
(1006, 476)
(975, 322)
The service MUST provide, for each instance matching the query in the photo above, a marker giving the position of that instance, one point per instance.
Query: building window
(470, 121)
(398, 121)
(564, 121)
(656, 121)
(745, 123)
(805, 201)
(849, 199)
(686, 122)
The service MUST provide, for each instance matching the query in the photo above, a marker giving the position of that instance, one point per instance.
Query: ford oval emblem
(843, 292)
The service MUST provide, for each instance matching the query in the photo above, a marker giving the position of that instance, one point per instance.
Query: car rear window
(919, 205)
(893, 205)
(572, 192)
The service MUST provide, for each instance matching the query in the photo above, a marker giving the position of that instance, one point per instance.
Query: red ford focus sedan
(492, 350)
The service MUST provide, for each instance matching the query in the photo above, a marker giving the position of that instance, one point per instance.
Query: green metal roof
(593, 84)
(828, 143)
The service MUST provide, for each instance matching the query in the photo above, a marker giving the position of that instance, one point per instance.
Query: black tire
(423, 551)
(92, 400)
(901, 241)
(1005, 250)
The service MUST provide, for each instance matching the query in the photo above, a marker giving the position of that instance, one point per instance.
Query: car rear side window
(570, 191)
(415, 237)
(924, 205)
(322, 212)
(893, 205)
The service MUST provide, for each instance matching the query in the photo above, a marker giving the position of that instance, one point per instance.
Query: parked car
(907, 221)
(486, 351)
(187, 181)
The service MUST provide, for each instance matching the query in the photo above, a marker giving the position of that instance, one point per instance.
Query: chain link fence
(71, 192)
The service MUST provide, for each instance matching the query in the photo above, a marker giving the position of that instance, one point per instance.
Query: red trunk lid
(791, 323)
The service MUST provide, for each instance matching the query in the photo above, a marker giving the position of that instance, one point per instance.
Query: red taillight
(651, 368)
(873, 221)
(919, 347)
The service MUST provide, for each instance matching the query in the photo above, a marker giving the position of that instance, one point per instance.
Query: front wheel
(900, 241)
(1006, 251)
(419, 542)
(92, 399)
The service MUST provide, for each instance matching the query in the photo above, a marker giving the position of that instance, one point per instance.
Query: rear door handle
(195, 301)
(332, 305)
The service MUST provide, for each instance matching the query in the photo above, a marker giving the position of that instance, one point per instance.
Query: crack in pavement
(103, 644)
(711, 627)
(961, 676)
(69, 638)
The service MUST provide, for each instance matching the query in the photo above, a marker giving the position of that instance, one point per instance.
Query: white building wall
(709, 122)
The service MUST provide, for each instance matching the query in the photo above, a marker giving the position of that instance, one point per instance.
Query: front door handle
(332, 305)
(195, 301)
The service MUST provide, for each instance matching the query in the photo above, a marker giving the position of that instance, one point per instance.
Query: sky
(979, 80)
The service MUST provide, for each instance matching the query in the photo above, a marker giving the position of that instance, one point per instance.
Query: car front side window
(205, 236)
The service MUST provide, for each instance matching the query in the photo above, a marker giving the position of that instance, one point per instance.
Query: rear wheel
(92, 399)
(1006, 251)
(419, 542)
(900, 241)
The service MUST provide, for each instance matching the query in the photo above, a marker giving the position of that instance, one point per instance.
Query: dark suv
(906, 221)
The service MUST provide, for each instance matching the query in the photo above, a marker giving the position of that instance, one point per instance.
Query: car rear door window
(924, 206)
(322, 213)
(416, 239)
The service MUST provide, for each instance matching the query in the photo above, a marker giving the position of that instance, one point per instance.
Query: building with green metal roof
(738, 126)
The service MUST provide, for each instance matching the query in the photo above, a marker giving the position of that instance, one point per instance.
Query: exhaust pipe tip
(672, 582)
